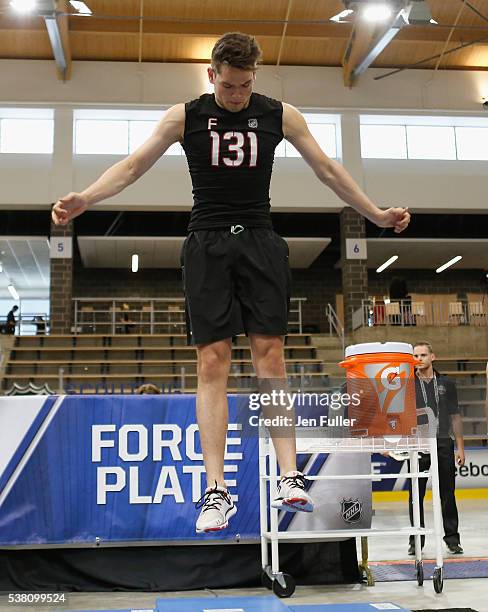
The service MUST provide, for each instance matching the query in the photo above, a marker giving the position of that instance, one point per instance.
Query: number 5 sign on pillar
(61, 248)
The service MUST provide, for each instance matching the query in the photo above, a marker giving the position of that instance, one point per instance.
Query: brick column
(61, 290)
(354, 271)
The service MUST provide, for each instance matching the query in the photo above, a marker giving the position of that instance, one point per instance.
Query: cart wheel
(438, 579)
(289, 588)
(266, 580)
(419, 569)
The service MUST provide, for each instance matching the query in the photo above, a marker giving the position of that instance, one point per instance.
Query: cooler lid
(379, 347)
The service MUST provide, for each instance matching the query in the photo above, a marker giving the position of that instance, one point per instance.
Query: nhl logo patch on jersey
(351, 510)
(252, 123)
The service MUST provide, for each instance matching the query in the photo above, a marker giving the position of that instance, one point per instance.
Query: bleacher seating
(112, 364)
(125, 361)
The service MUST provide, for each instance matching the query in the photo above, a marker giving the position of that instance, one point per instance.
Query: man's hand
(460, 458)
(398, 218)
(68, 207)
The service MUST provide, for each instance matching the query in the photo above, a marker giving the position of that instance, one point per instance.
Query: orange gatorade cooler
(380, 381)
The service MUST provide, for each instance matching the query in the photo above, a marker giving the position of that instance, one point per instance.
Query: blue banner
(118, 469)
(108, 469)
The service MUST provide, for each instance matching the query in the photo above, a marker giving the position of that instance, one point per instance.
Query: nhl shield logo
(393, 424)
(351, 510)
(252, 123)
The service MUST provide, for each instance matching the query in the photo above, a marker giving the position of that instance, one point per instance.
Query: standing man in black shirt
(11, 321)
(439, 393)
(236, 273)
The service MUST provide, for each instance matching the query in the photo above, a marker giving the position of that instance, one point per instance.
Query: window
(115, 132)
(431, 142)
(472, 143)
(383, 141)
(424, 137)
(139, 132)
(101, 137)
(122, 131)
(19, 135)
(323, 128)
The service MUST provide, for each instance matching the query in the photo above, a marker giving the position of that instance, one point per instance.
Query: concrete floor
(470, 593)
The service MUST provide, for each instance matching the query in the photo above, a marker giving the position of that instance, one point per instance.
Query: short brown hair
(147, 389)
(237, 50)
(424, 343)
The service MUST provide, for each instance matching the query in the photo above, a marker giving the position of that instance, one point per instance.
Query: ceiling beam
(307, 30)
(56, 20)
(429, 33)
(366, 42)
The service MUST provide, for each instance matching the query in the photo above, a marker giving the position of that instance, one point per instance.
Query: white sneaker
(291, 495)
(217, 508)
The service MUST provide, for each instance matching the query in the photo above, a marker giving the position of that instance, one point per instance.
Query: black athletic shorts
(234, 283)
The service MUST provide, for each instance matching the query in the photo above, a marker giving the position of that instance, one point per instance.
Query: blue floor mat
(453, 568)
(268, 603)
(352, 607)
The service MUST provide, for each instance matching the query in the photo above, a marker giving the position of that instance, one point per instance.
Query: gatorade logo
(389, 381)
(390, 378)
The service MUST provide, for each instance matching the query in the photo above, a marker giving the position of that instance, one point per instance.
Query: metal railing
(422, 313)
(135, 315)
(335, 326)
(27, 324)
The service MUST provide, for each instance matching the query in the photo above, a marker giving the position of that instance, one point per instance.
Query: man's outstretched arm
(168, 131)
(335, 176)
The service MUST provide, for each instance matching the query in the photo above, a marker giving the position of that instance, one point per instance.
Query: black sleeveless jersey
(230, 157)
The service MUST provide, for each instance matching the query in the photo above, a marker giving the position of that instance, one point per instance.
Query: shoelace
(295, 482)
(208, 502)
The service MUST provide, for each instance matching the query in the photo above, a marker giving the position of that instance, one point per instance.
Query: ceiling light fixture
(448, 264)
(387, 263)
(340, 16)
(419, 13)
(23, 6)
(81, 7)
(135, 262)
(377, 12)
(13, 292)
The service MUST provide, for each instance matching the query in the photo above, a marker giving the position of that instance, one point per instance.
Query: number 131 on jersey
(236, 147)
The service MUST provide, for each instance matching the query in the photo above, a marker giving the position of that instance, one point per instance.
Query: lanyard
(424, 392)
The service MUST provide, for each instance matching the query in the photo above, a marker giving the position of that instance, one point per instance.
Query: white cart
(283, 585)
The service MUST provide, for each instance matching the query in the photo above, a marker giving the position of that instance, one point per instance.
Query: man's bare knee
(214, 361)
(268, 353)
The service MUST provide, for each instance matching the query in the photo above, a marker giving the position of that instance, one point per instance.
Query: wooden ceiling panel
(25, 44)
(314, 53)
(125, 8)
(8, 21)
(318, 10)
(475, 57)
(256, 10)
(185, 31)
(446, 11)
(111, 46)
(174, 48)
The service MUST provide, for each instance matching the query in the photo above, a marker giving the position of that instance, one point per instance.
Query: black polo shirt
(448, 401)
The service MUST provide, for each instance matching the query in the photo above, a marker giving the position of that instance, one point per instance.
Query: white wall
(35, 181)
